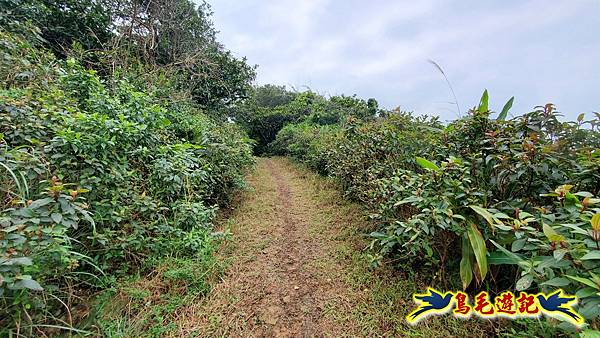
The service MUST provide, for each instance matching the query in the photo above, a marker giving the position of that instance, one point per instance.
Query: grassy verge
(145, 305)
(172, 299)
(384, 294)
(148, 305)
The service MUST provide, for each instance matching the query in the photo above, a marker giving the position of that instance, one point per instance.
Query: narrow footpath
(297, 268)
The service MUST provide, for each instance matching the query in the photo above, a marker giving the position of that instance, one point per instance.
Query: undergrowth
(482, 203)
(104, 177)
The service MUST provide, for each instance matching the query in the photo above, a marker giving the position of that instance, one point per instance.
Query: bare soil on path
(297, 268)
(284, 277)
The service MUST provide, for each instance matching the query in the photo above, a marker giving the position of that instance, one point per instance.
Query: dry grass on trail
(297, 269)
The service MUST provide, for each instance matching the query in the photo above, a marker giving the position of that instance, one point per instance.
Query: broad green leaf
(484, 102)
(586, 292)
(56, 217)
(427, 164)
(580, 117)
(557, 282)
(479, 249)
(551, 234)
(28, 284)
(591, 255)
(410, 199)
(378, 235)
(584, 194)
(595, 277)
(589, 333)
(524, 282)
(500, 258)
(501, 215)
(41, 202)
(544, 262)
(595, 221)
(21, 261)
(503, 227)
(514, 257)
(585, 281)
(571, 198)
(484, 213)
(518, 244)
(466, 263)
(575, 229)
(505, 109)
(559, 254)
(461, 217)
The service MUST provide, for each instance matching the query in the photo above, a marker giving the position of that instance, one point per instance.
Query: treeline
(115, 152)
(481, 203)
(269, 108)
(171, 37)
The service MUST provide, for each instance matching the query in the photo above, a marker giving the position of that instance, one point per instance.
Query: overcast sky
(538, 51)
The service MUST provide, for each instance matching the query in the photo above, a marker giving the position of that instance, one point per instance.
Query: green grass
(379, 299)
(147, 305)
(385, 293)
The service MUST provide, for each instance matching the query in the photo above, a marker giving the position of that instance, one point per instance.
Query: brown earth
(297, 268)
(284, 277)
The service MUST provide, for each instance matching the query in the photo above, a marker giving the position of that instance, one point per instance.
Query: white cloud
(380, 48)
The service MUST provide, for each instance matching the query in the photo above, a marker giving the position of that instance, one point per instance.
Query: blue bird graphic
(555, 302)
(432, 301)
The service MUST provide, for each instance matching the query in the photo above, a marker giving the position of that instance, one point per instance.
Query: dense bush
(307, 141)
(271, 108)
(61, 23)
(496, 203)
(140, 37)
(98, 176)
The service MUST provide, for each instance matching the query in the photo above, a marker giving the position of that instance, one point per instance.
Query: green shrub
(272, 108)
(99, 179)
(494, 204)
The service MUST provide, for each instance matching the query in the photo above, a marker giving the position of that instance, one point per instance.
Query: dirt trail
(296, 268)
(284, 280)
